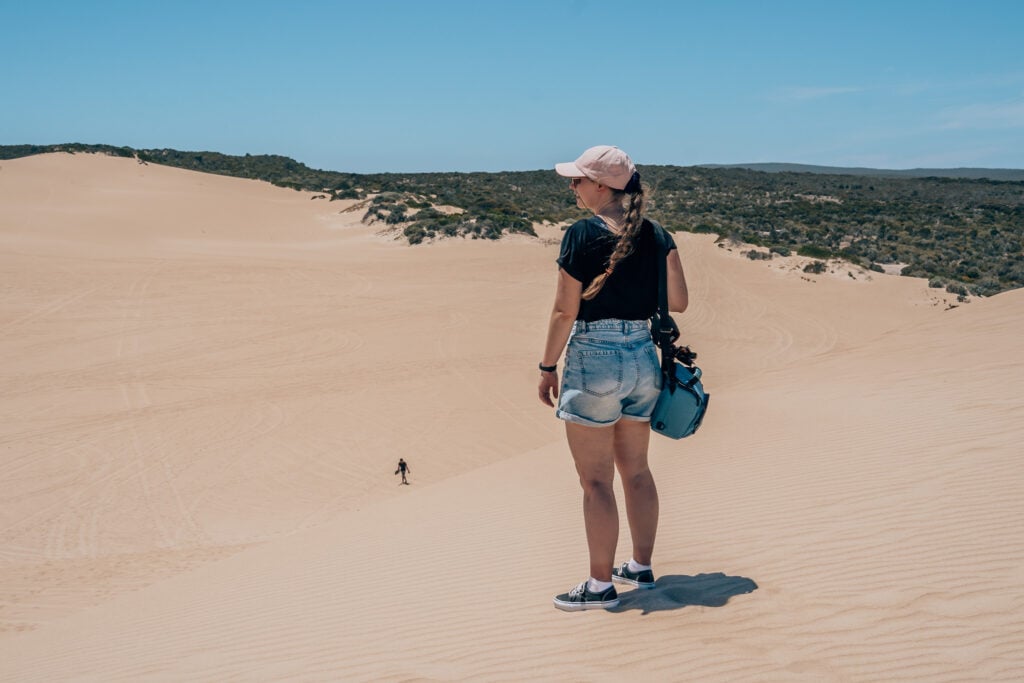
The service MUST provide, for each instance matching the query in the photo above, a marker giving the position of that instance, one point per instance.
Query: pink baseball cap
(603, 164)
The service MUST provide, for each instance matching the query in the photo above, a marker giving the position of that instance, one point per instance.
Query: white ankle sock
(595, 586)
(635, 566)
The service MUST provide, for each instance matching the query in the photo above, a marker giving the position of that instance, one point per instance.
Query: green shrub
(814, 251)
(397, 215)
(986, 287)
(416, 233)
(816, 267)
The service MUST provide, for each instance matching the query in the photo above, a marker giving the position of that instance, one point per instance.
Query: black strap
(663, 326)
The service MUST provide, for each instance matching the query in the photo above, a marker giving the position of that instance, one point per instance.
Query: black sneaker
(581, 598)
(641, 579)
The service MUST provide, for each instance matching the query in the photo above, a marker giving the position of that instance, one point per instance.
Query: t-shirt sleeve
(670, 241)
(571, 256)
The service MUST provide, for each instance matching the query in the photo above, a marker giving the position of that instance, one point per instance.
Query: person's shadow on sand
(676, 592)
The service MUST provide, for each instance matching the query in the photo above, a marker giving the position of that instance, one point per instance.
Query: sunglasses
(574, 182)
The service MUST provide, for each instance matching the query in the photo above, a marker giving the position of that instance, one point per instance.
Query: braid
(632, 222)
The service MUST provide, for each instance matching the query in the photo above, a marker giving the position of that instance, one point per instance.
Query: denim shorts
(612, 372)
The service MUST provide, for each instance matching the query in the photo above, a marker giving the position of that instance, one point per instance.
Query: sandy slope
(207, 382)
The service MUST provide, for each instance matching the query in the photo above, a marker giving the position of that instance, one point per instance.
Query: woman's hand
(548, 388)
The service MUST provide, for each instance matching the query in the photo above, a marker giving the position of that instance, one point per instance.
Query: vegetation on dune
(962, 234)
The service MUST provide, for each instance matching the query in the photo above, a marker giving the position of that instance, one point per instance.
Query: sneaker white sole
(581, 606)
(633, 582)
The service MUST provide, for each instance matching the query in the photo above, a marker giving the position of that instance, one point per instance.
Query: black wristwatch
(547, 368)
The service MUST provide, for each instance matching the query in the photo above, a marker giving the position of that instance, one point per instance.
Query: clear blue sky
(383, 85)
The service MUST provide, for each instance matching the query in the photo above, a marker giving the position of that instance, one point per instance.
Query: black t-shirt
(631, 292)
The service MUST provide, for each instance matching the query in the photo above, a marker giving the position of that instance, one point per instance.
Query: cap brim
(569, 170)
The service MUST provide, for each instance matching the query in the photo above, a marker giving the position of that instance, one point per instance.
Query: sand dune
(207, 382)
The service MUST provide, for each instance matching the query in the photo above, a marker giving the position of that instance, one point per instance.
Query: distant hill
(964, 234)
(973, 173)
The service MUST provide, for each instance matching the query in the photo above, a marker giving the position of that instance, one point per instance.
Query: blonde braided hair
(633, 220)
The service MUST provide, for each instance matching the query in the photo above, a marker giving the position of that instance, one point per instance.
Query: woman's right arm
(678, 296)
(563, 315)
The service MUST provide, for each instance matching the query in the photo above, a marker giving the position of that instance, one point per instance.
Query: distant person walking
(607, 291)
(403, 467)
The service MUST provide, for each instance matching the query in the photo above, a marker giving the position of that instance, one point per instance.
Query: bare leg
(631, 441)
(593, 450)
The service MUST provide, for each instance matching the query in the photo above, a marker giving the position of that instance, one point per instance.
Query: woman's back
(631, 291)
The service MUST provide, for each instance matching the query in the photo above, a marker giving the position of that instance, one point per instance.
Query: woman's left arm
(678, 294)
(563, 315)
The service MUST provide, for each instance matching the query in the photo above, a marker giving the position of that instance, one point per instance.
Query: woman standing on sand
(607, 290)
